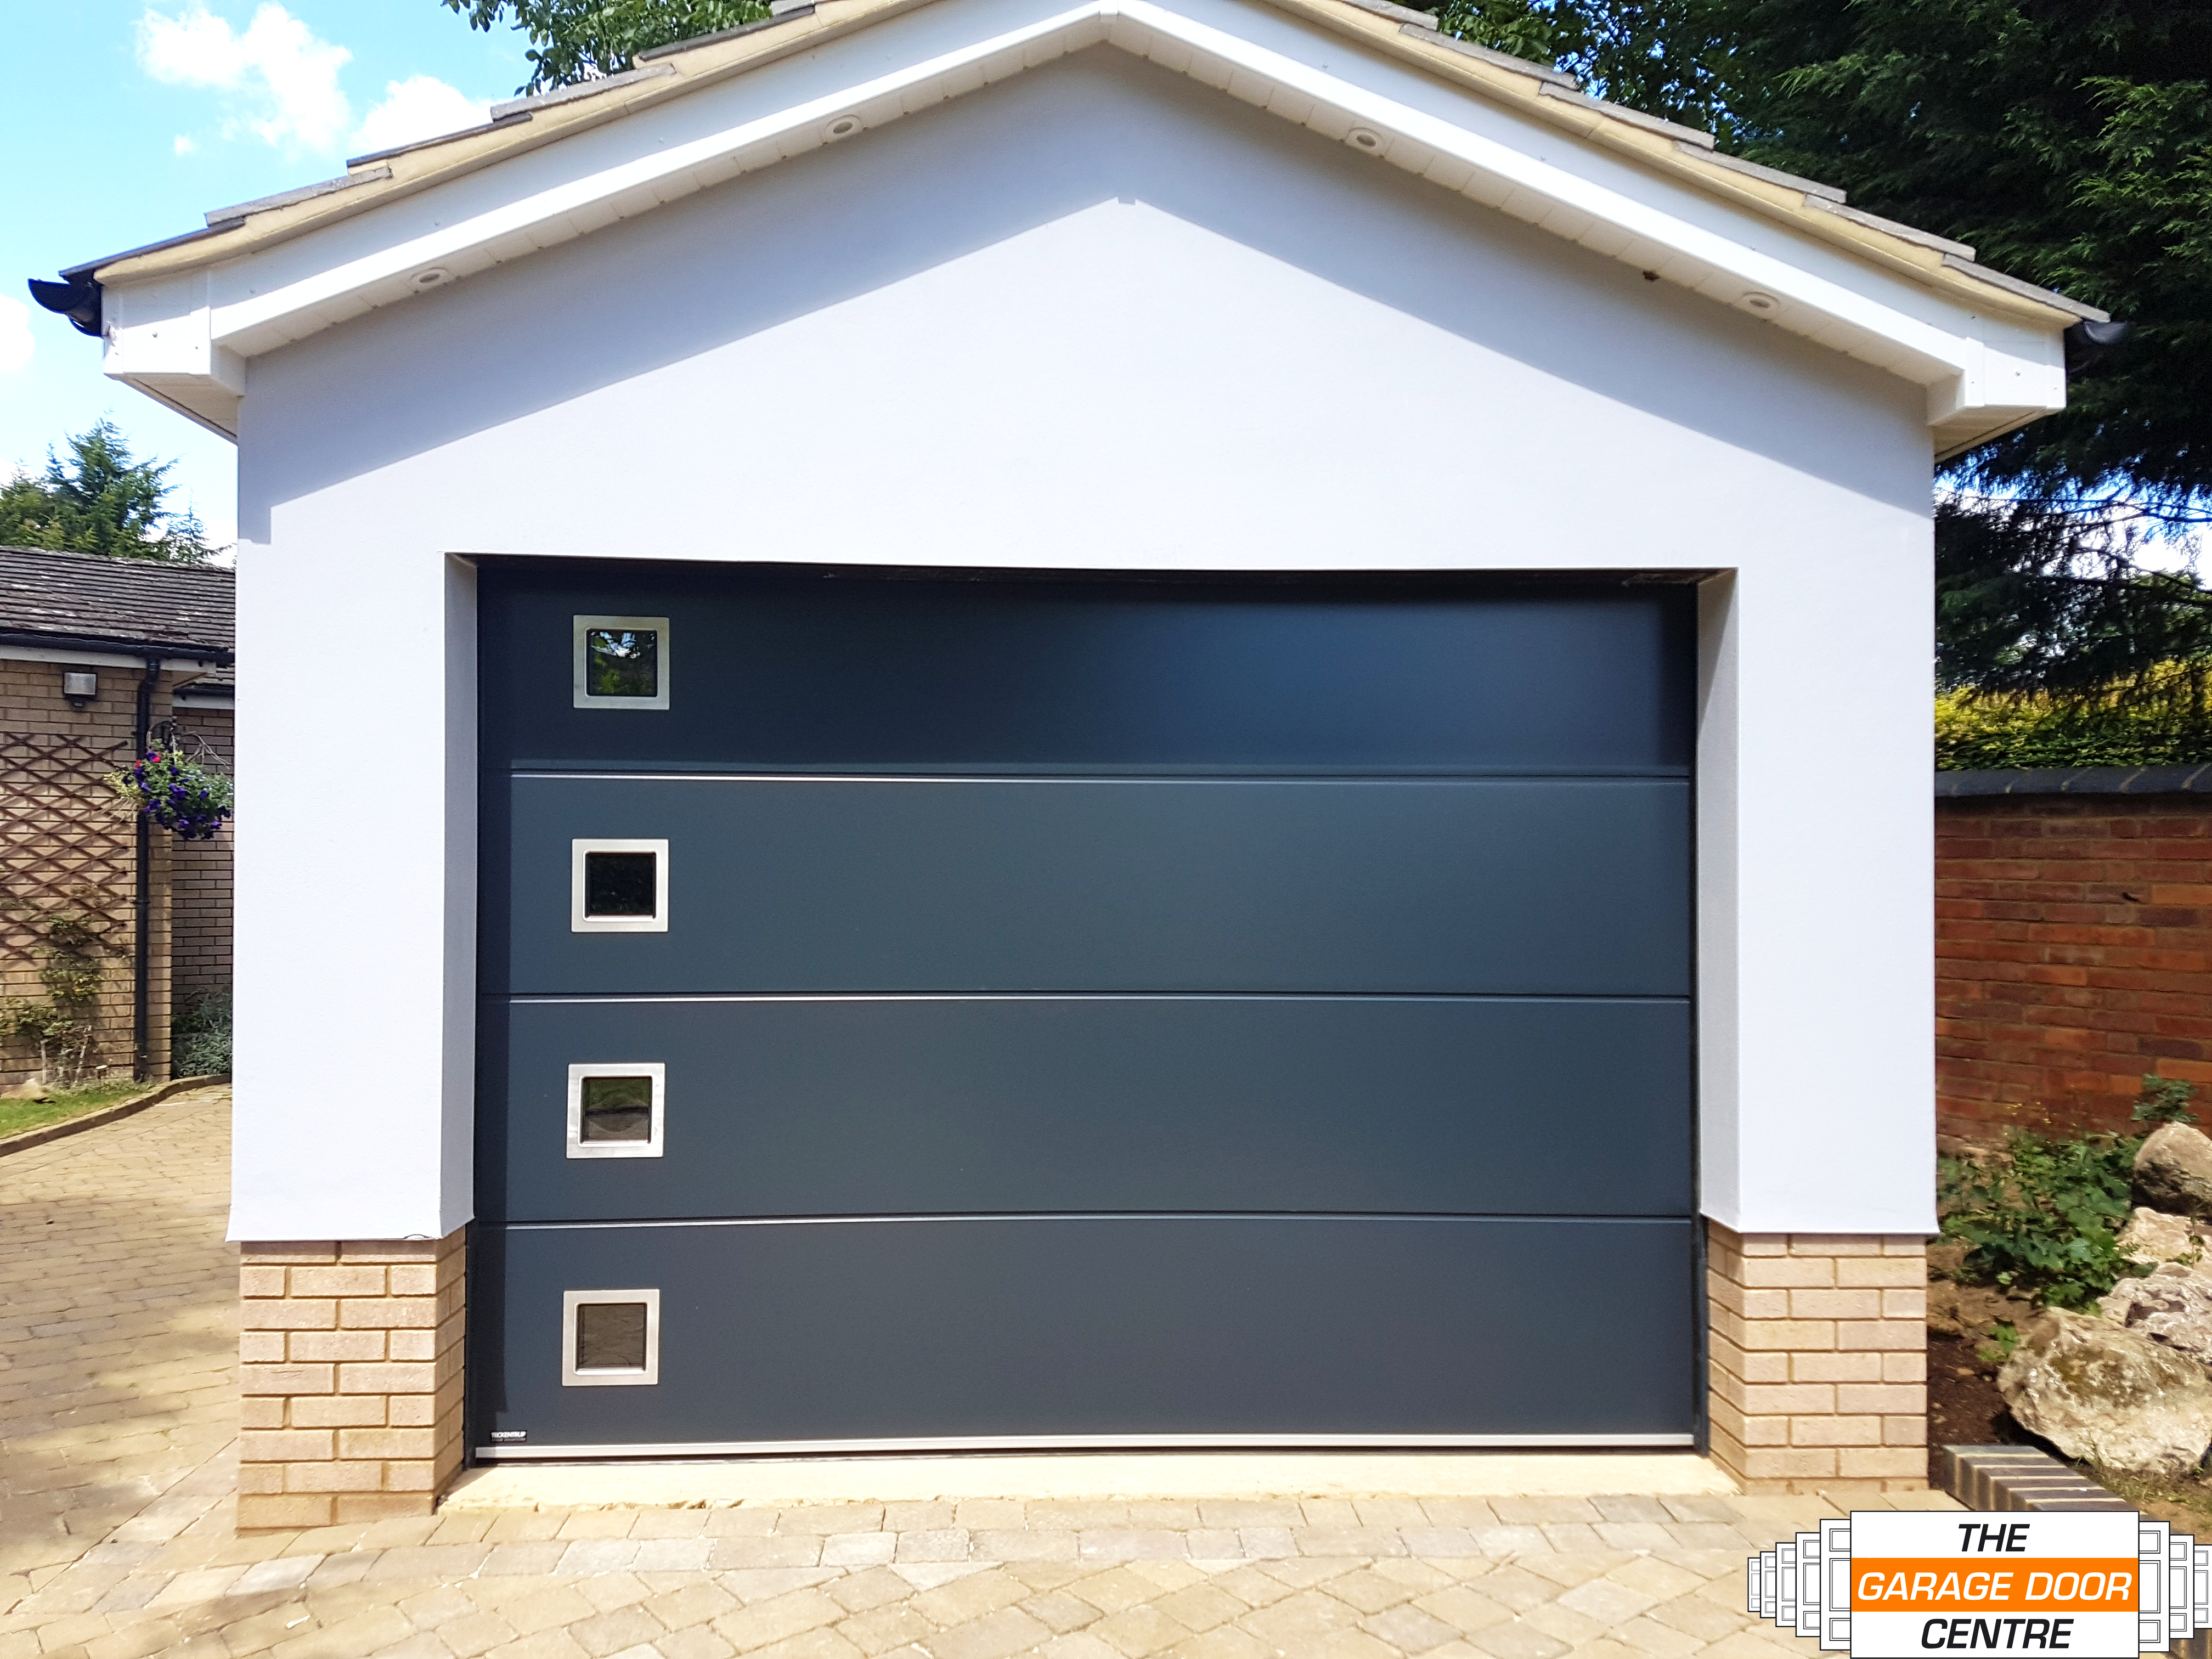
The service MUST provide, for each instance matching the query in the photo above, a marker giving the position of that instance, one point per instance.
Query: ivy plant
(2043, 1221)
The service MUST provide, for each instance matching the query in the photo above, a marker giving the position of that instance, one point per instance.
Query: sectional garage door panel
(830, 671)
(1544, 887)
(943, 1008)
(1161, 1327)
(871, 1106)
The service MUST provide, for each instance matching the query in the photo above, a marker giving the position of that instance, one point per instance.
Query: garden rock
(2172, 1307)
(2108, 1395)
(2173, 1171)
(2152, 1237)
(28, 1091)
(1956, 1309)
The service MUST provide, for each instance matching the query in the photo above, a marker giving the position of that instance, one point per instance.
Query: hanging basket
(178, 793)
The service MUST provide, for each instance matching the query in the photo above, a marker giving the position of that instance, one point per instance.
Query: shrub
(2043, 1221)
(62, 1026)
(199, 1038)
(2166, 1100)
(1987, 733)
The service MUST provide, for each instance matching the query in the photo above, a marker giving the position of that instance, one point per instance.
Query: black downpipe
(141, 904)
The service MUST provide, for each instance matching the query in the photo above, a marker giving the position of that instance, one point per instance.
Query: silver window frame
(581, 661)
(580, 923)
(652, 1146)
(571, 1377)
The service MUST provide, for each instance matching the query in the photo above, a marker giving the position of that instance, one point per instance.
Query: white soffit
(185, 338)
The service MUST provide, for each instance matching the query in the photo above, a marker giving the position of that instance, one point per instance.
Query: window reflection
(622, 662)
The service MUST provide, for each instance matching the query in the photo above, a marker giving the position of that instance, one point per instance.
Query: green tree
(2035, 601)
(100, 500)
(573, 40)
(2070, 142)
(1667, 58)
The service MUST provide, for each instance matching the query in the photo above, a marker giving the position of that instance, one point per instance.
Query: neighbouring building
(1095, 727)
(81, 638)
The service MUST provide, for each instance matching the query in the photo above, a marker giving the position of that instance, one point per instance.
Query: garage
(967, 1009)
(1194, 727)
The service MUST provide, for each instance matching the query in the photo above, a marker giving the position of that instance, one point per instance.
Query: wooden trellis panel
(65, 847)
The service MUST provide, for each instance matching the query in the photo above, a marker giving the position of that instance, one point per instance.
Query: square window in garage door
(618, 886)
(610, 1338)
(616, 1110)
(621, 662)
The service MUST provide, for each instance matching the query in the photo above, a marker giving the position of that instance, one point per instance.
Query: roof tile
(128, 602)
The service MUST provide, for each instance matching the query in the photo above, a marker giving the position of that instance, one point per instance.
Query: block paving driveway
(117, 1408)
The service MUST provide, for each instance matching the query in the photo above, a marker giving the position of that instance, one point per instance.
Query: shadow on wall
(1094, 131)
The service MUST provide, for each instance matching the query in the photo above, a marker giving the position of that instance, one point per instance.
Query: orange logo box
(1942, 1584)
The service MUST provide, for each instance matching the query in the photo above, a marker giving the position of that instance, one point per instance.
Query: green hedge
(1988, 735)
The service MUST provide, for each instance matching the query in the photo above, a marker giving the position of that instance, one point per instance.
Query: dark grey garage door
(926, 1009)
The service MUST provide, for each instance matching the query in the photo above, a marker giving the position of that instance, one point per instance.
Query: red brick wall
(2073, 956)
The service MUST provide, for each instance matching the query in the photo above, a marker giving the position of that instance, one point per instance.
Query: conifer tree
(100, 500)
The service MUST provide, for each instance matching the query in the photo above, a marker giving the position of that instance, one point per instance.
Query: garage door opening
(1082, 1011)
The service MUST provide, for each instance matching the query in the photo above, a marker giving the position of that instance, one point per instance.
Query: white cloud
(184, 144)
(421, 106)
(283, 81)
(16, 342)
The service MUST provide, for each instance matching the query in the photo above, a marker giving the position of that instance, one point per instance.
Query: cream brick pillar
(350, 1379)
(1818, 1371)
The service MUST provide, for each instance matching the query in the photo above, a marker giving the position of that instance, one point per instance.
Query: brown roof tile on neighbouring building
(124, 603)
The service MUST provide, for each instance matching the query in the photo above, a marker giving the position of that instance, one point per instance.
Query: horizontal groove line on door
(612, 775)
(1095, 1215)
(547, 998)
(617, 1452)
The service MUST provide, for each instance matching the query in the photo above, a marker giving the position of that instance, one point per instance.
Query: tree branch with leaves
(577, 40)
(100, 500)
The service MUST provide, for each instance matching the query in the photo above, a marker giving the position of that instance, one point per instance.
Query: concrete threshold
(720, 1484)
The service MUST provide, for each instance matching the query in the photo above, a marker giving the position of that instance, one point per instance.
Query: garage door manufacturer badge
(1883, 1585)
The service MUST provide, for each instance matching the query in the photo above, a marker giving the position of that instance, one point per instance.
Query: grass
(17, 1115)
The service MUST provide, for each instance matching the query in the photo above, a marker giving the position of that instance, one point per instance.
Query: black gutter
(77, 298)
(2087, 341)
(142, 901)
(216, 656)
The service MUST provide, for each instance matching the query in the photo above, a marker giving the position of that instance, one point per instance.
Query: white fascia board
(159, 338)
(162, 330)
(186, 339)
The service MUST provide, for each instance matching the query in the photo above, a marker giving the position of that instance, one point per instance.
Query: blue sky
(125, 122)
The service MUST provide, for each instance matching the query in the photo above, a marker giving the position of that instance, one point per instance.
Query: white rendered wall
(1098, 316)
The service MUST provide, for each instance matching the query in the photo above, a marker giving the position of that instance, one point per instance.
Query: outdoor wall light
(80, 687)
(843, 127)
(428, 279)
(1365, 138)
(1760, 304)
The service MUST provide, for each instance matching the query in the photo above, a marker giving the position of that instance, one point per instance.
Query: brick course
(350, 1377)
(2074, 943)
(1818, 1360)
